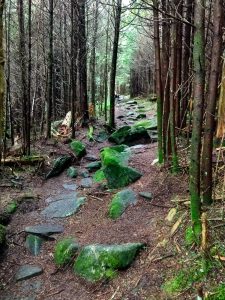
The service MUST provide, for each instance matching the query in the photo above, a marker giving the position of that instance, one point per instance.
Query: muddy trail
(142, 222)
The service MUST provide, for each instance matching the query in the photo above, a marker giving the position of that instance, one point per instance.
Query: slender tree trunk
(158, 81)
(211, 102)
(24, 79)
(74, 45)
(198, 104)
(82, 60)
(173, 74)
(118, 9)
(50, 71)
(93, 57)
(2, 79)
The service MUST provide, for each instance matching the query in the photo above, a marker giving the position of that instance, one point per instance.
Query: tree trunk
(50, 72)
(2, 79)
(198, 104)
(118, 9)
(24, 80)
(158, 81)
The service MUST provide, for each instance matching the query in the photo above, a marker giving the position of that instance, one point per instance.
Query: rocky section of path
(81, 231)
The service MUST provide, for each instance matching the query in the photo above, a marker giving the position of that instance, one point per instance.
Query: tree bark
(198, 104)
(211, 102)
(2, 79)
(118, 9)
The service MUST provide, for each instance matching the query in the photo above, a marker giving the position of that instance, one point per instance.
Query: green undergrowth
(188, 276)
(217, 293)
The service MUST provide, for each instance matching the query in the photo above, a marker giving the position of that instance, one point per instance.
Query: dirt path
(143, 222)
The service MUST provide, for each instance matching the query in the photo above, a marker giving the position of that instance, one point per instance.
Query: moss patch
(78, 148)
(65, 251)
(96, 262)
(11, 207)
(218, 293)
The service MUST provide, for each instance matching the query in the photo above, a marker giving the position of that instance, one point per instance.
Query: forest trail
(143, 222)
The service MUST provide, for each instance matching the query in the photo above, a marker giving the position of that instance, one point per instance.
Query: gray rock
(72, 172)
(86, 182)
(131, 102)
(27, 271)
(60, 197)
(84, 173)
(70, 186)
(44, 229)
(101, 137)
(63, 208)
(146, 195)
(93, 166)
(34, 243)
(90, 157)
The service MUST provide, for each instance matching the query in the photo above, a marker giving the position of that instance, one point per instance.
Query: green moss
(59, 165)
(115, 155)
(147, 124)
(99, 176)
(72, 172)
(120, 202)
(186, 277)
(218, 293)
(65, 251)
(11, 207)
(96, 262)
(189, 236)
(78, 148)
(2, 235)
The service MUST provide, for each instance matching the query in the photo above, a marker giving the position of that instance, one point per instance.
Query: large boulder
(59, 165)
(96, 262)
(135, 134)
(115, 169)
(120, 202)
(78, 148)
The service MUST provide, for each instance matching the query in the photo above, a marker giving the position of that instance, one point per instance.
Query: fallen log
(24, 160)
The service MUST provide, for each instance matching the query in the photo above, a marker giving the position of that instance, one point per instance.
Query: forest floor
(144, 222)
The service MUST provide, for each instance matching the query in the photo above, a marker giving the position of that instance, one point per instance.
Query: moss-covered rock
(115, 169)
(2, 235)
(99, 176)
(96, 262)
(78, 148)
(65, 251)
(129, 135)
(72, 172)
(147, 124)
(34, 243)
(59, 165)
(120, 202)
(11, 207)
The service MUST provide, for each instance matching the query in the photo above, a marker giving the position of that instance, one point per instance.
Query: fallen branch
(29, 160)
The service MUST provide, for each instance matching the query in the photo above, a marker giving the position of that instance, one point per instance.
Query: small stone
(146, 195)
(84, 173)
(131, 102)
(63, 208)
(90, 157)
(70, 186)
(86, 182)
(120, 117)
(102, 137)
(33, 244)
(44, 229)
(27, 271)
(93, 166)
(72, 172)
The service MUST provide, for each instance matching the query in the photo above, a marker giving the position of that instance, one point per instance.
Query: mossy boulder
(72, 172)
(78, 148)
(120, 202)
(65, 251)
(59, 165)
(2, 235)
(34, 243)
(147, 124)
(96, 262)
(130, 135)
(115, 169)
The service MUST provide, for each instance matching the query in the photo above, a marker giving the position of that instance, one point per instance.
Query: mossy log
(24, 160)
